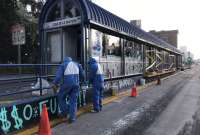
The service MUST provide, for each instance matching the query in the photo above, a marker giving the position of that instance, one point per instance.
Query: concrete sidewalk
(121, 115)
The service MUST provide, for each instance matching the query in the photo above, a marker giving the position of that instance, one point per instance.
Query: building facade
(136, 23)
(186, 54)
(170, 36)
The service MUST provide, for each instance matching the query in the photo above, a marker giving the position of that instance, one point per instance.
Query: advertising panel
(96, 44)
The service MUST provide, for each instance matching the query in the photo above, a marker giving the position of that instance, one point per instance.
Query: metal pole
(19, 58)
(143, 58)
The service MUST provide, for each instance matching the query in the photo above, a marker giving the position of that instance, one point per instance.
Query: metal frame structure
(97, 18)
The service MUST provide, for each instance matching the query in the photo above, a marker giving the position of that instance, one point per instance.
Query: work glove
(88, 83)
(55, 88)
(84, 86)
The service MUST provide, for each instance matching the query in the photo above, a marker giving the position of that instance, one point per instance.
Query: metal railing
(15, 75)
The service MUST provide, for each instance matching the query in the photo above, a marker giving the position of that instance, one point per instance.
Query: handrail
(10, 80)
(23, 91)
(26, 65)
(30, 77)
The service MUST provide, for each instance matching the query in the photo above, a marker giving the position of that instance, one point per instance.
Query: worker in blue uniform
(71, 72)
(96, 78)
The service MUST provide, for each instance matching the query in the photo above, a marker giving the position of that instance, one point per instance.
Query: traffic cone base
(44, 127)
(134, 92)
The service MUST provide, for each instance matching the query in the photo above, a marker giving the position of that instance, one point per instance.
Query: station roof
(101, 16)
(97, 15)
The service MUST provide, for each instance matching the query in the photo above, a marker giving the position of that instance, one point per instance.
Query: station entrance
(62, 32)
(64, 43)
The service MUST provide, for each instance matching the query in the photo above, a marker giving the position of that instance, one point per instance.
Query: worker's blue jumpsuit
(71, 72)
(97, 80)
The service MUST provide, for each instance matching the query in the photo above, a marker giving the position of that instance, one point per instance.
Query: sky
(183, 15)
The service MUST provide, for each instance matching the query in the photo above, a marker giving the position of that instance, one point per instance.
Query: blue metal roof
(99, 16)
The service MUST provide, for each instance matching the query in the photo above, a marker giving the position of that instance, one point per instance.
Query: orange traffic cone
(44, 127)
(134, 91)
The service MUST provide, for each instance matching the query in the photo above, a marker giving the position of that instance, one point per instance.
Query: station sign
(18, 34)
(63, 22)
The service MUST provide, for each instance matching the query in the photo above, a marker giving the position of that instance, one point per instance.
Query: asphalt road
(145, 114)
(181, 109)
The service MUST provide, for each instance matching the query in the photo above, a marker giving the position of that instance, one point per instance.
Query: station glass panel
(96, 45)
(150, 58)
(55, 13)
(133, 58)
(54, 47)
(72, 43)
(71, 9)
(172, 61)
(179, 61)
(53, 51)
(107, 50)
(114, 55)
(147, 60)
(159, 59)
(166, 60)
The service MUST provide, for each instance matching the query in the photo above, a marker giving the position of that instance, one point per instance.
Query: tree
(8, 17)
(25, 12)
(35, 6)
(32, 9)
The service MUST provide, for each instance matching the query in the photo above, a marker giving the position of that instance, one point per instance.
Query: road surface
(159, 110)
(181, 109)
